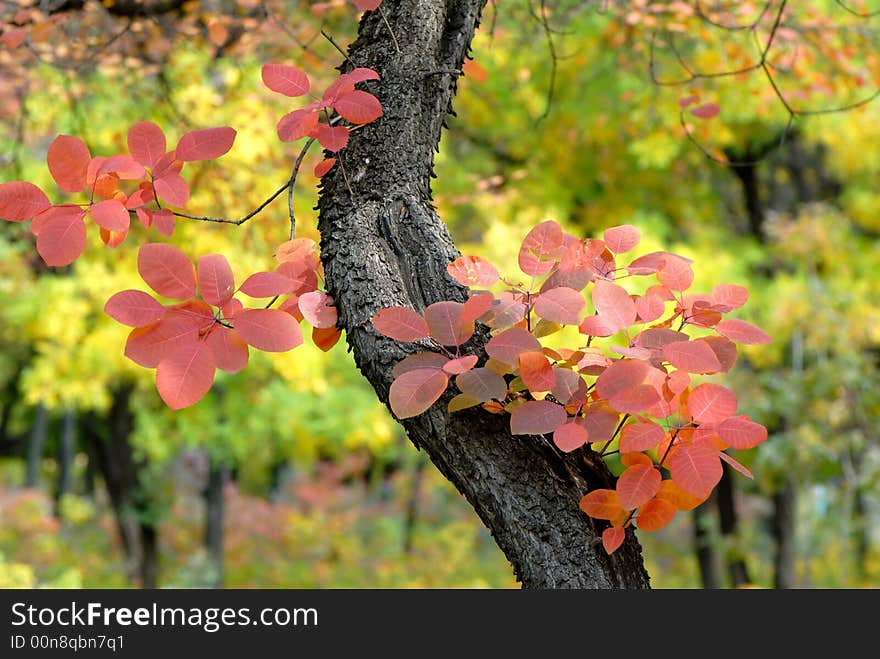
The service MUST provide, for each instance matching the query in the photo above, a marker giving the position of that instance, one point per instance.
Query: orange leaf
(612, 538)
(186, 375)
(654, 515)
(68, 159)
(637, 484)
(601, 504)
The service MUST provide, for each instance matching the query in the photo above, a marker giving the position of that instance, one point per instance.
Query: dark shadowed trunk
(729, 522)
(66, 454)
(705, 546)
(383, 244)
(121, 471)
(36, 444)
(214, 516)
(783, 528)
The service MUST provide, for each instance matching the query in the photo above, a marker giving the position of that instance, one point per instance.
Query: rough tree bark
(383, 244)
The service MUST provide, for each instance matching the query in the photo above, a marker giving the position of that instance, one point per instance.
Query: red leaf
(186, 375)
(560, 305)
(621, 238)
(740, 432)
(400, 324)
(332, 138)
(146, 143)
(445, 323)
(736, 465)
(597, 326)
(172, 188)
(68, 159)
(476, 307)
(267, 284)
(692, 356)
(284, 79)
(507, 346)
(615, 306)
(482, 385)
(419, 360)
(536, 372)
(460, 365)
(124, 167)
(271, 330)
(637, 485)
(727, 297)
(167, 270)
(569, 385)
(635, 399)
(205, 144)
(216, 281)
(367, 5)
(537, 417)
(676, 273)
(640, 436)
(541, 248)
(230, 351)
(678, 381)
(20, 201)
(654, 515)
(413, 392)
(570, 436)
(358, 107)
(612, 538)
(724, 349)
(62, 238)
(688, 100)
(325, 337)
(346, 82)
(147, 346)
(695, 468)
(134, 308)
(711, 403)
(473, 271)
(601, 504)
(504, 312)
(706, 111)
(324, 166)
(740, 331)
(296, 125)
(317, 308)
(621, 375)
(600, 421)
(111, 215)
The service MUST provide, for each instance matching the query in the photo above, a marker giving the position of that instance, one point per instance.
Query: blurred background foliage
(291, 473)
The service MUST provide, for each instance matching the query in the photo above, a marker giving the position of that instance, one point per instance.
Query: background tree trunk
(383, 244)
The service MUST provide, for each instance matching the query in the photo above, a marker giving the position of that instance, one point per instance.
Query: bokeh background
(291, 473)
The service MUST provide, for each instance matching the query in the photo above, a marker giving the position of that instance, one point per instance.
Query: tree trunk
(383, 244)
(729, 521)
(214, 515)
(783, 528)
(705, 546)
(121, 472)
(66, 453)
(35, 446)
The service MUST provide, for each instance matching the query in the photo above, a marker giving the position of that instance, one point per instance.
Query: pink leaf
(415, 391)
(230, 351)
(740, 432)
(472, 271)
(676, 273)
(560, 305)
(296, 125)
(621, 238)
(541, 248)
(476, 307)
(711, 403)
(637, 485)
(146, 143)
(317, 308)
(134, 308)
(727, 297)
(536, 372)
(267, 284)
(111, 215)
(324, 166)
(271, 330)
(612, 538)
(695, 468)
(706, 111)
(284, 79)
(167, 270)
(186, 375)
(640, 436)
(507, 346)
(62, 239)
(20, 201)
(536, 417)
(736, 465)
(418, 360)
(635, 399)
(401, 324)
(692, 356)
(205, 144)
(620, 376)
(148, 345)
(740, 331)
(482, 385)
(367, 5)
(570, 436)
(332, 138)
(68, 159)
(460, 365)
(445, 323)
(172, 188)
(216, 281)
(615, 306)
(358, 107)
